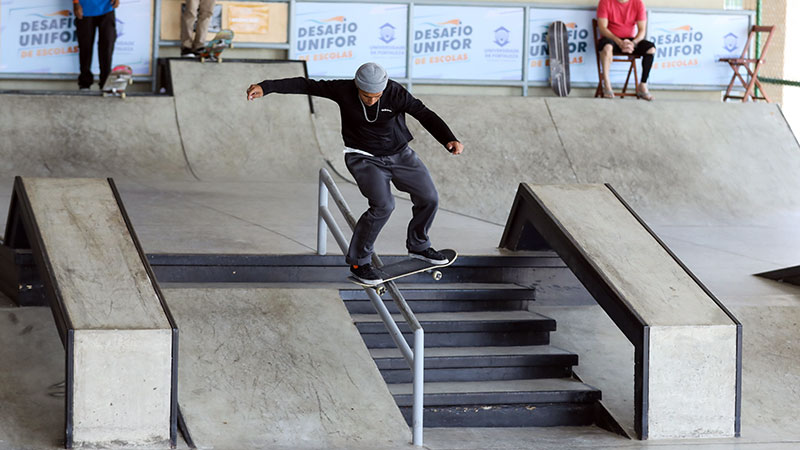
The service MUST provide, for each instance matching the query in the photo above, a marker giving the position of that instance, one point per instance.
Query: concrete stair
(488, 362)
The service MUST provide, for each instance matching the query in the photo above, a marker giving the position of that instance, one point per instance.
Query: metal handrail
(415, 358)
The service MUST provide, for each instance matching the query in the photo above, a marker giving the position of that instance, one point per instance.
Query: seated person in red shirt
(623, 25)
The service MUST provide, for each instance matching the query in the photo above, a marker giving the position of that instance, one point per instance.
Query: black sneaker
(187, 53)
(199, 51)
(366, 274)
(430, 255)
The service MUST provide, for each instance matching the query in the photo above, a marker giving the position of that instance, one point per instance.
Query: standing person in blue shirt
(91, 15)
(373, 111)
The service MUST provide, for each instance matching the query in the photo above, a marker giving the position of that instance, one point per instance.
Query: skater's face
(368, 98)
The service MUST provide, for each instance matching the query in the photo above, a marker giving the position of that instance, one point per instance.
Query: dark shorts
(640, 50)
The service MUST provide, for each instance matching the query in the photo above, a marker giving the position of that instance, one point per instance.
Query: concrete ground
(223, 218)
(717, 182)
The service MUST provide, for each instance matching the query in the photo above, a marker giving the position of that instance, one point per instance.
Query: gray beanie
(371, 78)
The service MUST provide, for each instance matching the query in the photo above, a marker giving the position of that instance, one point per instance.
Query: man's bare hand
(115, 4)
(628, 46)
(254, 92)
(455, 147)
(78, 10)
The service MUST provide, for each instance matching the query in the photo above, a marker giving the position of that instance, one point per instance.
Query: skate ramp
(688, 346)
(691, 161)
(279, 368)
(227, 137)
(684, 159)
(89, 136)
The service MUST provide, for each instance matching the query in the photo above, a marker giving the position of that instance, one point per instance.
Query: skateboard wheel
(437, 275)
(122, 95)
(202, 59)
(219, 60)
(130, 80)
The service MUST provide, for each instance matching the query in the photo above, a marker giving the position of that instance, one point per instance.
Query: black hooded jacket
(388, 134)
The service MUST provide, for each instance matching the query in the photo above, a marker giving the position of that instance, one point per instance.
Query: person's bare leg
(606, 55)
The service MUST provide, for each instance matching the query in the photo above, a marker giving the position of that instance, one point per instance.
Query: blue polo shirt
(92, 8)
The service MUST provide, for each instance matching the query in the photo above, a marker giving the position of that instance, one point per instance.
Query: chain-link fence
(769, 12)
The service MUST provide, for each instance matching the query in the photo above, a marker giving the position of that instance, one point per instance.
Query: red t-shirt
(622, 17)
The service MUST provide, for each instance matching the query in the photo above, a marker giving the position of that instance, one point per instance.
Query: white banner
(583, 63)
(688, 47)
(468, 43)
(336, 38)
(38, 36)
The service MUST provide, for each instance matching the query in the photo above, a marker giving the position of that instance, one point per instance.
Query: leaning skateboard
(213, 51)
(408, 267)
(119, 79)
(559, 58)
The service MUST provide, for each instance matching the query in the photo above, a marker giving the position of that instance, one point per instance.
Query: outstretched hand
(455, 147)
(254, 92)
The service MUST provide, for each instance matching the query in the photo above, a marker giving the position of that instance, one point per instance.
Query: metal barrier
(415, 359)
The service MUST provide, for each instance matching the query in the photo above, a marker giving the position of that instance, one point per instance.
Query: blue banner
(38, 36)
(689, 47)
(336, 38)
(468, 43)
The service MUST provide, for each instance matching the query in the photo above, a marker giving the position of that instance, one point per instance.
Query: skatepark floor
(692, 169)
(189, 217)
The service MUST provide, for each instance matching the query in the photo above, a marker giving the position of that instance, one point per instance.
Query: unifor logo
(387, 32)
(501, 36)
(731, 42)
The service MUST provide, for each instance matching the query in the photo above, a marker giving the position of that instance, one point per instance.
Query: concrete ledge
(687, 367)
(119, 336)
(692, 383)
(122, 386)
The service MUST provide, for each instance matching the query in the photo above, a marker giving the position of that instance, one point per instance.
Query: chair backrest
(753, 34)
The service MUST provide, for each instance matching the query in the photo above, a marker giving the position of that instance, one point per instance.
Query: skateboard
(559, 58)
(121, 76)
(213, 51)
(408, 267)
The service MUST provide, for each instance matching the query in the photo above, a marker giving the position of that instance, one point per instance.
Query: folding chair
(618, 57)
(744, 61)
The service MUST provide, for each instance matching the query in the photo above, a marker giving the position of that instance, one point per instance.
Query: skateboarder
(196, 15)
(95, 17)
(372, 109)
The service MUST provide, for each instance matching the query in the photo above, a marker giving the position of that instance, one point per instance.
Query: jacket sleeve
(429, 119)
(300, 85)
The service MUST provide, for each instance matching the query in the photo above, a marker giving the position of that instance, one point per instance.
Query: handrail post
(415, 358)
(322, 229)
(419, 380)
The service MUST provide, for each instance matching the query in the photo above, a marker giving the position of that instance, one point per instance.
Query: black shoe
(430, 255)
(199, 51)
(366, 274)
(187, 53)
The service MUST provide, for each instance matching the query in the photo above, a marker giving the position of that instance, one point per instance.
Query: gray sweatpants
(200, 11)
(373, 174)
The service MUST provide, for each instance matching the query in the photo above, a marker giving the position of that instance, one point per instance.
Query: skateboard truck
(380, 289)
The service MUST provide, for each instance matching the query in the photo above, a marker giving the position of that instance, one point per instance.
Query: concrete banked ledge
(687, 345)
(119, 336)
